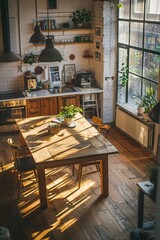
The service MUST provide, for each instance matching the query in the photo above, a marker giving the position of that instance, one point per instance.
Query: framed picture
(97, 45)
(54, 76)
(69, 72)
(97, 56)
(97, 31)
(52, 4)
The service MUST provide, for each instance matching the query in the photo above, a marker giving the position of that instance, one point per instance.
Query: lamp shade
(50, 54)
(154, 114)
(37, 36)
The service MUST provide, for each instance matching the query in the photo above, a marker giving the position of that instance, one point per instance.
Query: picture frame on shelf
(52, 4)
(97, 31)
(54, 76)
(98, 56)
(69, 72)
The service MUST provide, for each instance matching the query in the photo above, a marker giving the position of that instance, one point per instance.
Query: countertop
(46, 93)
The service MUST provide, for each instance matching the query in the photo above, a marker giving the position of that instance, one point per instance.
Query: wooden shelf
(88, 30)
(65, 43)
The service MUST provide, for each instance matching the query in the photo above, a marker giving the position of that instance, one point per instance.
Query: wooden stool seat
(97, 122)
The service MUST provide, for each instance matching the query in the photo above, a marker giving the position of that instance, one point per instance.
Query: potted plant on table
(152, 175)
(68, 113)
(53, 128)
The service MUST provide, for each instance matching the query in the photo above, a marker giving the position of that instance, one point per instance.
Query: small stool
(4, 234)
(1, 164)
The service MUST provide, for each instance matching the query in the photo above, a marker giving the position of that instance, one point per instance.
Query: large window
(138, 48)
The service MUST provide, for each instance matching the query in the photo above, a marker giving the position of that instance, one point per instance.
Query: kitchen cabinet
(41, 106)
(68, 100)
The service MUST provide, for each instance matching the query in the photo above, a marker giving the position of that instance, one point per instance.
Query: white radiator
(136, 129)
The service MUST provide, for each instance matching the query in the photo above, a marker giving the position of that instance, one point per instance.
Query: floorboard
(78, 214)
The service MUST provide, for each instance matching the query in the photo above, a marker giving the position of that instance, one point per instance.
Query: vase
(141, 111)
(68, 121)
(145, 116)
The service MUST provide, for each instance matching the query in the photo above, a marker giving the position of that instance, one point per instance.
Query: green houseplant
(140, 103)
(149, 101)
(124, 75)
(68, 113)
(116, 2)
(30, 58)
(53, 128)
(82, 18)
(145, 103)
(152, 175)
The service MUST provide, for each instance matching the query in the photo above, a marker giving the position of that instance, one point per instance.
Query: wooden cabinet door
(49, 106)
(33, 107)
(68, 100)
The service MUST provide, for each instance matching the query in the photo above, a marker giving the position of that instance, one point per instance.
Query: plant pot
(68, 121)
(54, 130)
(154, 178)
(28, 94)
(145, 116)
(141, 111)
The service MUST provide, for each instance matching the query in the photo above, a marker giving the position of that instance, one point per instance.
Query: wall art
(97, 56)
(97, 31)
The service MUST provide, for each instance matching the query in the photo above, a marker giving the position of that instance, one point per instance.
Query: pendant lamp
(49, 54)
(37, 36)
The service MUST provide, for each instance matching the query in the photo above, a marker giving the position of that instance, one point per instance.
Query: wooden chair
(22, 163)
(97, 122)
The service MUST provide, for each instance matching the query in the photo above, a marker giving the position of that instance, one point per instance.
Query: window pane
(122, 57)
(137, 9)
(123, 32)
(152, 10)
(121, 98)
(147, 85)
(151, 66)
(136, 38)
(135, 61)
(133, 88)
(152, 37)
(124, 11)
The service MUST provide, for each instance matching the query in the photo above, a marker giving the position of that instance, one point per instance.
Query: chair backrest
(14, 148)
(97, 121)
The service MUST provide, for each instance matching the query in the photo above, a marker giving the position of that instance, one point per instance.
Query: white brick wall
(105, 15)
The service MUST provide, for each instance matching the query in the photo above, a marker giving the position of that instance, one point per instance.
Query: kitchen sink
(62, 90)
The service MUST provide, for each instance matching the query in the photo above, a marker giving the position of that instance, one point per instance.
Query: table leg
(42, 186)
(140, 208)
(104, 177)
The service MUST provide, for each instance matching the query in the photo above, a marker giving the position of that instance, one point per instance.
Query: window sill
(133, 112)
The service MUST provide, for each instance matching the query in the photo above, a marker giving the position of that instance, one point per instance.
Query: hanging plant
(30, 58)
(124, 75)
(82, 18)
(117, 2)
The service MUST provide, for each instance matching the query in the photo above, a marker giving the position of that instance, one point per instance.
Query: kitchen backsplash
(10, 78)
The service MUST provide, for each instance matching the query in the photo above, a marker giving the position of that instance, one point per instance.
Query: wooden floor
(78, 214)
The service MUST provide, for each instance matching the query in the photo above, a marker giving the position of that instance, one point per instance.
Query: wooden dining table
(72, 145)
